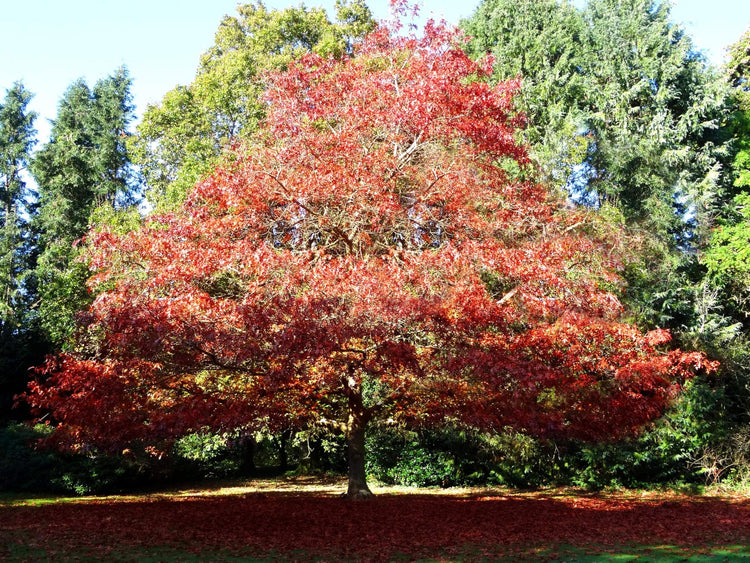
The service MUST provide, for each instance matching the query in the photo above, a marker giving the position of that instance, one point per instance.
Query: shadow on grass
(563, 553)
(299, 525)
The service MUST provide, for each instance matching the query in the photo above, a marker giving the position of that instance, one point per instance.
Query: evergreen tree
(16, 141)
(627, 115)
(728, 256)
(17, 138)
(653, 109)
(542, 43)
(724, 329)
(84, 165)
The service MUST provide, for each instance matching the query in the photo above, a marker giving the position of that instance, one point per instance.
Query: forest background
(653, 138)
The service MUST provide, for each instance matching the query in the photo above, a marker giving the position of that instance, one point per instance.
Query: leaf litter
(308, 519)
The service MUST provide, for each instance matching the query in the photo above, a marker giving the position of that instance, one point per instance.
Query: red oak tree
(369, 257)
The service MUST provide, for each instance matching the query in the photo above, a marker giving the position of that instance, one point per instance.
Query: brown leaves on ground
(320, 523)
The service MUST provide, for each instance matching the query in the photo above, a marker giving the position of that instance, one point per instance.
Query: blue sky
(50, 43)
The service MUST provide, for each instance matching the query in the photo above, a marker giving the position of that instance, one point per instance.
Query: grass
(305, 519)
(559, 553)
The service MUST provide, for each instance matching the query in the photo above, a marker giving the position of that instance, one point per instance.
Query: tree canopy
(627, 116)
(542, 44)
(16, 141)
(727, 258)
(181, 139)
(84, 164)
(364, 258)
(619, 86)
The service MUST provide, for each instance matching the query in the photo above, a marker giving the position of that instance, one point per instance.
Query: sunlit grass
(336, 485)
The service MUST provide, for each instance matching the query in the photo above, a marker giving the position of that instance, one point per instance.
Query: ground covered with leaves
(301, 520)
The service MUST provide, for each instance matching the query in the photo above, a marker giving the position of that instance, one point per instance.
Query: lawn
(306, 519)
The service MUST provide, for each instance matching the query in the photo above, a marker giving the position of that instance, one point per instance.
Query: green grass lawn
(307, 519)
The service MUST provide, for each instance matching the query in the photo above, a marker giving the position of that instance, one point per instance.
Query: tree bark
(355, 428)
(283, 459)
(247, 464)
(355, 439)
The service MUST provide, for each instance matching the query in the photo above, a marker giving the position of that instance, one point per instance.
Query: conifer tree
(627, 115)
(17, 138)
(728, 256)
(85, 164)
(540, 42)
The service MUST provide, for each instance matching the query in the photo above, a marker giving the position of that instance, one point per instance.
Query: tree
(181, 139)
(625, 114)
(85, 164)
(726, 257)
(620, 87)
(16, 141)
(17, 138)
(364, 259)
(654, 110)
(542, 43)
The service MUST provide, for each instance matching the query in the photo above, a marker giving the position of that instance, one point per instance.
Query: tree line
(637, 138)
(83, 167)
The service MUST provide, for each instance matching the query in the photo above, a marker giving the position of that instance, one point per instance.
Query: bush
(206, 456)
(667, 453)
(454, 456)
(241, 453)
(676, 450)
(25, 467)
(98, 474)
(319, 451)
(22, 467)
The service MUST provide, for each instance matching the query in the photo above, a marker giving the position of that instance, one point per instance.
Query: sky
(48, 44)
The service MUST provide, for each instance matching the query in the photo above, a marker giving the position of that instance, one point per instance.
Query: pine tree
(17, 138)
(85, 164)
(541, 42)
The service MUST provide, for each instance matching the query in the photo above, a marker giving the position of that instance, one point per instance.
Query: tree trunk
(355, 439)
(247, 464)
(283, 459)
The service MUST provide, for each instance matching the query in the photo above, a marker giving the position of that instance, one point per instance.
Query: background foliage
(651, 136)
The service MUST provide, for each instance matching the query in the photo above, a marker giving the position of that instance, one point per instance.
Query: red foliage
(367, 256)
(412, 525)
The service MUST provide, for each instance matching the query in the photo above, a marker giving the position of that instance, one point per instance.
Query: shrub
(22, 467)
(457, 457)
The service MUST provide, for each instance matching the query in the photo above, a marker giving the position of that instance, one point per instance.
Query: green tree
(727, 283)
(653, 109)
(182, 138)
(626, 115)
(629, 117)
(17, 138)
(542, 43)
(728, 256)
(84, 165)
